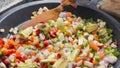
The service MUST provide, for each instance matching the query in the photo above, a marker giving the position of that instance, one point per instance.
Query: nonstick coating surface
(22, 13)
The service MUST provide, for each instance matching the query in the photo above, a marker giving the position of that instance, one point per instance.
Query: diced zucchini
(74, 54)
(89, 64)
(51, 23)
(60, 23)
(48, 60)
(43, 27)
(54, 40)
(58, 63)
(52, 56)
(91, 27)
(64, 64)
(27, 32)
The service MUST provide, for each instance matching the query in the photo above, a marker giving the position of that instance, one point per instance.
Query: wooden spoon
(44, 17)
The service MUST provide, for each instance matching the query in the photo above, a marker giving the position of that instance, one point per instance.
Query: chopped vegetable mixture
(69, 42)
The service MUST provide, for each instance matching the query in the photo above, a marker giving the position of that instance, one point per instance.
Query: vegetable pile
(69, 42)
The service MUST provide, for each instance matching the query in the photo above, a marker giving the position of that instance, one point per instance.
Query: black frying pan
(22, 13)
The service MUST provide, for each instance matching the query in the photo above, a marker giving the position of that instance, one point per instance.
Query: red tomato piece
(37, 32)
(91, 59)
(42, 22)
(52, 35)
(100, 47)
(44, 65)
(6, 62)
(4, 58)
(1, 42)
(22, 40)
(59, 55)
(46, 43)
(11, 46)
(18, 57)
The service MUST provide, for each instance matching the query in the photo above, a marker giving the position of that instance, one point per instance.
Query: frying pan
(22, 13)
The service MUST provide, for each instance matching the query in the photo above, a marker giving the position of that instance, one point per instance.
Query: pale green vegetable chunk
(91, 27)
(74, 54)
(26, 33)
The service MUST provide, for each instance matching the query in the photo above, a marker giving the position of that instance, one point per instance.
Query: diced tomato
(91, 59)
(9, 53)
(1, 42)
(74, 66)
(18, 57)
(54, 30)
(13, 50)
(46, 43)
(37, 46)
(22, 40)
(51, 63)
(81, 51)
(6, 62)
(83, 61)
(37, 32)
(37, 60)
(13, 38)
(11, 46)
(100, 47)
(59, 55)
(44, 65)
(4, 58)
(42, 22)
(53, 33)
(116, 43)
(24, 58)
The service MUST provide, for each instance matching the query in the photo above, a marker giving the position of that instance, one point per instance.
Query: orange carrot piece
(93, 46)
(101, 56)
(62, 46)
(59, 31)
(68, 34)
(94, 62)
(16, 60)
(36, 42)
(18, 53)
(70, 19)
(69, 14)
(11, 42)
(106, 44)
(88, 54)
(96, 38)
(32, 38)
(95, 31)
(6, 46)
(5, 51)
(79, 46)
(49, 49)
(77, 59)
(32, 54)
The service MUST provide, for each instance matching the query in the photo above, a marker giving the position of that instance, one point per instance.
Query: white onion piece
(110, 59)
